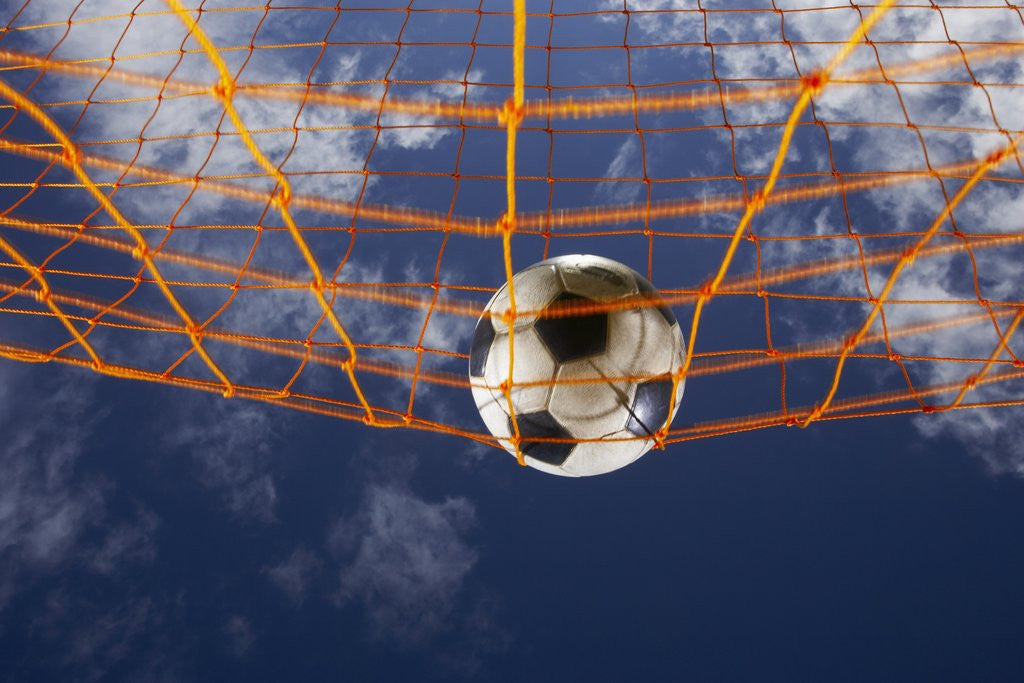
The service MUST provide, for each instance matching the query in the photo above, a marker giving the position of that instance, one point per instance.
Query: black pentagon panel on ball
(483, 337)
(647, 290)
(650, 407)
(543, 425)
(571, 337)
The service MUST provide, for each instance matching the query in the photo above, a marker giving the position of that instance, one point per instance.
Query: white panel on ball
(642, 343)
(492, 412)
(535, 288)
(592, 409)
(596, 277)
(533, 364)
(599, 457)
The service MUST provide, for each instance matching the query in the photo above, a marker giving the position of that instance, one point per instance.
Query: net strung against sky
(309, 205)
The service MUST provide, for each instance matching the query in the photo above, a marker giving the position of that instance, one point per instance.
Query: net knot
(283, 197)
(369, 419)
(510, 113)
(814, 82)
(757, 201)
(71, 155)
(141, 253)
(928, 409)
(223, 89)
(895, 357)
(971, 382)
(44, 294)
(229, 392)
(505, 386)
(997, 156)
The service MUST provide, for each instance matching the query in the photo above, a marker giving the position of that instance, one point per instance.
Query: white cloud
(232, 444)
(295, 574)
(240, 636)
(626, 163)
(91, 639)
(51, 514)
(129, 541)
(405, 559)
(335, 146)
(992, 207)
(995, 435)
(328, 158)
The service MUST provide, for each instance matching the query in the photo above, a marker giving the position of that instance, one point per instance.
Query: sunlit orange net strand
(708, 363)
(514, 223)
(563, 220)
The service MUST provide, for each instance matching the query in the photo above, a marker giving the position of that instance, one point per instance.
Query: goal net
(308, 204)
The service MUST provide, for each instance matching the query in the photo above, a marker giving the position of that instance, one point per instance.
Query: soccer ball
(599, 376)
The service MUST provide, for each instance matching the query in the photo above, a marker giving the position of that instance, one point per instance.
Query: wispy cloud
(295, 574)
(94, 639)
(404, 560)
(51, 513)
(232, 444)
(240, 636)
(625, 163)
(969, 117)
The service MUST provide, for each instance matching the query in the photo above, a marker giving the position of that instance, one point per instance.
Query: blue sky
(156, 533)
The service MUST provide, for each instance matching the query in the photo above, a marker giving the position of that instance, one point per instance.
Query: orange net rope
(308, 205)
